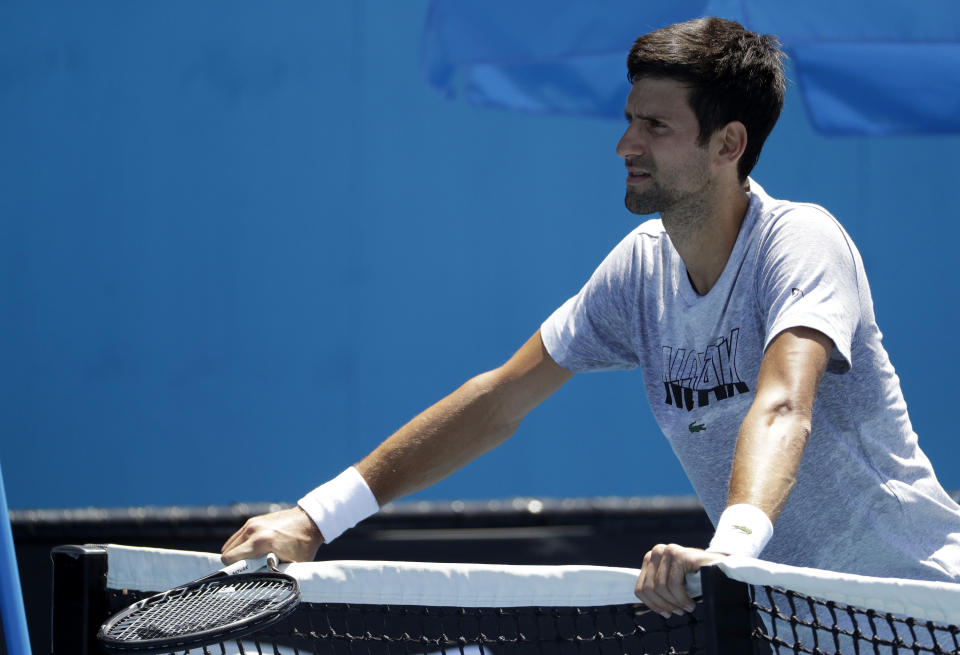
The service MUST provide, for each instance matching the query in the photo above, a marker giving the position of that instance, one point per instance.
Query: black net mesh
(317, 628)
(781, 621)
(792, 622)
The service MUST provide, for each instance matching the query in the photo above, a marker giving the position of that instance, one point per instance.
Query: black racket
(229, 604)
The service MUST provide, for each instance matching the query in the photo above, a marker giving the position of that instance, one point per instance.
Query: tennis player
(751, 321)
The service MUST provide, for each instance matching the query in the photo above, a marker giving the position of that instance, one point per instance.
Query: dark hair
(735, 75)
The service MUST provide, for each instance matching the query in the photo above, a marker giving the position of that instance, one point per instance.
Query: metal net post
(728, 615)
(79, 599)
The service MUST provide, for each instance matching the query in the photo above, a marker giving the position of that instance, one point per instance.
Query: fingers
(231, 544)
(661, 582)
(240, 546)
(246, 543)
(289, 533)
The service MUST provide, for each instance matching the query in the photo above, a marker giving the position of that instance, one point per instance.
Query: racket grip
(250, 565)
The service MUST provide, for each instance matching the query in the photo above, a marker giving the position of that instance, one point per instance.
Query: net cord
(478, 585)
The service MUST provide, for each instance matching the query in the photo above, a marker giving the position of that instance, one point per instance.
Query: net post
(728, 619)
(79, 599)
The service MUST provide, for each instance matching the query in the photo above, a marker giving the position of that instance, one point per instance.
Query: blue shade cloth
(540, 55)
(883, 67)
(867, 88)
(580, 86)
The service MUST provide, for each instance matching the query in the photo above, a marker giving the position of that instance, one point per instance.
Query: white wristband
(338, 505)
(742, 530)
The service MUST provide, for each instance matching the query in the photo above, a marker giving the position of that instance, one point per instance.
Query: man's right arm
(474, 419)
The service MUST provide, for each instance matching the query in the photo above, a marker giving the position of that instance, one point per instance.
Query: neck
(704, 232)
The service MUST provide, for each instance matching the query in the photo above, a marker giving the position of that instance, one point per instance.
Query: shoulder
(778, 210)
(797, 224)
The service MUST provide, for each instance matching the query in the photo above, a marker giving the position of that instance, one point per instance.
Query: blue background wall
(236, 233)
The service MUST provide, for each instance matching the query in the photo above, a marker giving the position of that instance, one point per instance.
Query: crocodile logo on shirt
(694, 378)
(742, 529)
(694, 428)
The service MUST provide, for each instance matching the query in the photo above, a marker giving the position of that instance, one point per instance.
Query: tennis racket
(228, 604)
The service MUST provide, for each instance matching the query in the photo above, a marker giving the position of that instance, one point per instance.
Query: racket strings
(208, 607)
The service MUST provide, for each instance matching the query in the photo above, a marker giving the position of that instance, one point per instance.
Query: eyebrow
(643, 117)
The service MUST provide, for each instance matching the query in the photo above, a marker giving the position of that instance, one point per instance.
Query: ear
(731, 141)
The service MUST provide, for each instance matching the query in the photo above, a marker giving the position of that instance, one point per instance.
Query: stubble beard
(649, 201)
(682, 210)
(657, 200)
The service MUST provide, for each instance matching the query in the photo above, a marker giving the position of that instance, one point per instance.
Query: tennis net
(747, 606)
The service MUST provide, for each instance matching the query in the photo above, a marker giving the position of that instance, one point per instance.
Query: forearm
(448, 435)
(771, 441)
(472, 420)
(774, 433)
(769, 450)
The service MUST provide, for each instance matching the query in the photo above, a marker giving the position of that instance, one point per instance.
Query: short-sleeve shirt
(866, 499)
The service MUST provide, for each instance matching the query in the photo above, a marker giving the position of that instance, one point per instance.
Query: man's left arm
(769, 449)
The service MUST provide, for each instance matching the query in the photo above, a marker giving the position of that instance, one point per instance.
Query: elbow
(781, 404)
(786, 417)
(798, 414)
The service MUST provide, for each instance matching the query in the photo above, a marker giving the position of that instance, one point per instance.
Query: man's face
(666, 165)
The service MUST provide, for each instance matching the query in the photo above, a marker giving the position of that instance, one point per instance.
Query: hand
(660, 585)
(289, 533)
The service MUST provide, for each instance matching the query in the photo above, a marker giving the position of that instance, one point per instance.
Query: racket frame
(221, 633)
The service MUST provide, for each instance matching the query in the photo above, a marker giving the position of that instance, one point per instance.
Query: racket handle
(250, 565)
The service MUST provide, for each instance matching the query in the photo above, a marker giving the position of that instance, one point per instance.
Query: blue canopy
(883, 67)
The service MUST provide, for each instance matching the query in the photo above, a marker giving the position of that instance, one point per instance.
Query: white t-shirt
(866, 500)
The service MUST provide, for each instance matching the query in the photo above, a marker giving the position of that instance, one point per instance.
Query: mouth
(635, 176)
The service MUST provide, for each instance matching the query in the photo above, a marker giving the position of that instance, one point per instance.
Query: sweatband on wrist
(338, 505)
(742, 530)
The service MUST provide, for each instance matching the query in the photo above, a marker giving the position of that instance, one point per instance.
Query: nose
(631, 143)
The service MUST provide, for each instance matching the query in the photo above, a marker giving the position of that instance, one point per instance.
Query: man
(751, 321)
